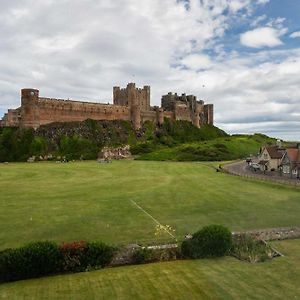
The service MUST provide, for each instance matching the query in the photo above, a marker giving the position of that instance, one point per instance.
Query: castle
(131, 104)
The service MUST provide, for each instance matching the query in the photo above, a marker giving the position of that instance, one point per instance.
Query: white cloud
(263, 2)
(276, 23)
(80, 49)
(262, 37)
(295, 35)
(196, 62)
(258, 20)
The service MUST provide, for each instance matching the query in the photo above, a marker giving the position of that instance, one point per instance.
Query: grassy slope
(223, 148)
(87, 201)
(224, 278)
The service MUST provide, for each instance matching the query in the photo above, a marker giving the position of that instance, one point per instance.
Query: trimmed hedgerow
(210, 241)
(32, 260)
(45, 258)
(142, 255)
(98, 255)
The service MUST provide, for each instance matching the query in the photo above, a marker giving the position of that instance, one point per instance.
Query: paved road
(241, 168)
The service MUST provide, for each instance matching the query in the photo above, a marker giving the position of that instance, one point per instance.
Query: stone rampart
(130, 104)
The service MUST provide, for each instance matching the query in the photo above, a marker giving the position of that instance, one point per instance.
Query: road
(241, 168)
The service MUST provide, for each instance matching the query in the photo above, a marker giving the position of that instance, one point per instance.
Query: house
(290, 163)
(270, 158)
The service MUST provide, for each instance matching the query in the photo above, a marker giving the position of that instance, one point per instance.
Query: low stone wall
(271, 234)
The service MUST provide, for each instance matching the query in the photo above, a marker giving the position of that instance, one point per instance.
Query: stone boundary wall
(272, 234)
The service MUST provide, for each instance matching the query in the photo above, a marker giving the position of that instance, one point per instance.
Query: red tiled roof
(293, 154)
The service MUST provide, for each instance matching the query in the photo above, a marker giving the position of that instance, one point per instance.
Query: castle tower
(135, 108)
(159, 115)
(196, 117)
(29, 108)
(146, 96)
(209, 113)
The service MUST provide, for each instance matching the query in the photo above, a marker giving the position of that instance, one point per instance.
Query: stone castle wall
(54, 110)
(130, 104)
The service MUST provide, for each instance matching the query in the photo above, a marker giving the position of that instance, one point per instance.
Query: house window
(265, 156)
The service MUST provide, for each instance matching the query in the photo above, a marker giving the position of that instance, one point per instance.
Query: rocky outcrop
(108, 153)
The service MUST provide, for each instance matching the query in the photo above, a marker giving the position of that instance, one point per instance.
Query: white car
(255, 166)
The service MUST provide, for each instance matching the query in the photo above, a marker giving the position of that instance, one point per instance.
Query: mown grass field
(225, 278)
(92, 201)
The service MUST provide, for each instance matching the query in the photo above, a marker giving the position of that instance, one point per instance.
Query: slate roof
(275, 152)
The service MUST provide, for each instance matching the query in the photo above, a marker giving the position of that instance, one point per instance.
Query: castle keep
(130, 104)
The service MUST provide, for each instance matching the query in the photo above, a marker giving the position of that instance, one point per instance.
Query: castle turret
(159, 115)
(196, 117)
(147, 97)
(135, 108)
(209, 113)
(29, 108)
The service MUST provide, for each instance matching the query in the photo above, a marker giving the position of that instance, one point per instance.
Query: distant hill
(174, 140)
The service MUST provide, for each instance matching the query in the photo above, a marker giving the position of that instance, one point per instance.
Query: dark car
(248, 160)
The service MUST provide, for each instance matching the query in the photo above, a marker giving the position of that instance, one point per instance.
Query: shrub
(142, 255)
(210, 241)
(45, 258)
(32, 260)
(142, 148)
(166, 254)
(245, 247)
(73, 256)
(98, 255)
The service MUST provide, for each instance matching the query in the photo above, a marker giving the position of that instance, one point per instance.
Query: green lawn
(225, 278)
(92, 201)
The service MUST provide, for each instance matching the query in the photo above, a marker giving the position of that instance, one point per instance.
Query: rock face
(108, 153)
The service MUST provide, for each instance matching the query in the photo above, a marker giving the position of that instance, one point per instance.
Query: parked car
(255, 166)
(248, 160)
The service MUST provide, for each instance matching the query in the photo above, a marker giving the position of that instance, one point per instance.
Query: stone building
(130, 104)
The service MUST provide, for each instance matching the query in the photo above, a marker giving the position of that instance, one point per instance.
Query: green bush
(245, 247)
(142, 255)
(142, 148)
(45, 258)
(210, 241)
(98, 255)
(32, 260)
(79, 256)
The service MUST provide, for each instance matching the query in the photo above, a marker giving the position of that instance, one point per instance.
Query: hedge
(45, 258)
(210, 241)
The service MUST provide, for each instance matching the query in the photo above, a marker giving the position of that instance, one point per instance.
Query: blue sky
(241, 55)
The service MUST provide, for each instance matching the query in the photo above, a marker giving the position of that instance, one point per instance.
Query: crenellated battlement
(130, 103)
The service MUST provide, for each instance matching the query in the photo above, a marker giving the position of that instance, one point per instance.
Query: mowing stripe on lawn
(156, 221)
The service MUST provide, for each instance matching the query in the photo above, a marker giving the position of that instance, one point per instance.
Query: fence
(292, 182)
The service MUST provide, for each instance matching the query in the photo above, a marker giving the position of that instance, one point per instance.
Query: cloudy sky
(241, 55)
